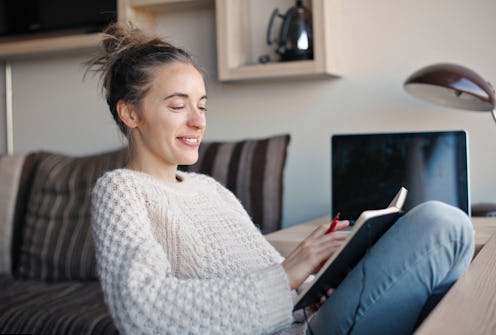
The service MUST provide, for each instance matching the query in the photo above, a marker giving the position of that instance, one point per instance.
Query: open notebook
(367, 230)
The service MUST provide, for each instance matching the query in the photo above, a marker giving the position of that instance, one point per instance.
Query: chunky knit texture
(184, 258)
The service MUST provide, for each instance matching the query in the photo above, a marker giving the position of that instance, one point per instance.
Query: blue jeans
(403, 276)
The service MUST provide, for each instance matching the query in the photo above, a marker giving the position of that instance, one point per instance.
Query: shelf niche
(237, 47)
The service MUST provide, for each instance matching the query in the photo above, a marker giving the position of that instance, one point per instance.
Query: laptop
(368, 169)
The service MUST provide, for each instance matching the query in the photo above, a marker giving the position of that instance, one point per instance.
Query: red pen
(333, 224)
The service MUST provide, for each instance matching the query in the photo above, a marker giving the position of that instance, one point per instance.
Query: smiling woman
(166, 239)
(178, 254)
(157, 97)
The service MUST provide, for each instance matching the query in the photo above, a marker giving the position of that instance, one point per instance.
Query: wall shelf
(52, 42)
(233, 38)
(234, 48)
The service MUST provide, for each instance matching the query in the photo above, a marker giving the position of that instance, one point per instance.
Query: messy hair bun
(125, 60)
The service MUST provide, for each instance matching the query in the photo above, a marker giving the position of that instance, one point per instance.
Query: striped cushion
(24, 189)
(35, 307)
(56, 241)
(253, 171)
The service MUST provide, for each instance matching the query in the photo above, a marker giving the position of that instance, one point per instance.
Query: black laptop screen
(368, 170)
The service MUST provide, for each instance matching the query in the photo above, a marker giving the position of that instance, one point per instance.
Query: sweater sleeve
(144, 296)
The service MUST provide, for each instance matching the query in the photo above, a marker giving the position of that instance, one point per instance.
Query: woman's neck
(165, 172)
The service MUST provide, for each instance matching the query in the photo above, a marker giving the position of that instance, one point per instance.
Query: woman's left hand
(324, 297)
(315, 307)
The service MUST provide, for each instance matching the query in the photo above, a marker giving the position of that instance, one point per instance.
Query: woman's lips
(189, 140)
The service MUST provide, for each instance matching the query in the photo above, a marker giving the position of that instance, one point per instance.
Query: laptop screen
(368, 170)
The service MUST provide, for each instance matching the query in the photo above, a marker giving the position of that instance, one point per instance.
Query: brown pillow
(56, 241)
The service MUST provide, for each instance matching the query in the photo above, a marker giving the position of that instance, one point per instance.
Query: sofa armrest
(10, 173)
(468, 307)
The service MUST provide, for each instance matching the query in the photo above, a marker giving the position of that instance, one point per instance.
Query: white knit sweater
(184, 258)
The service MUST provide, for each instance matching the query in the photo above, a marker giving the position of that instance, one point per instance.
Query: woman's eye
(176, 108)
(202, 108)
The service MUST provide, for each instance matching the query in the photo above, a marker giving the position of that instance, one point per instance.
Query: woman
(178, 254)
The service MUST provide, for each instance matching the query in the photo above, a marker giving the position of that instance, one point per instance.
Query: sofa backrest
(51, 236)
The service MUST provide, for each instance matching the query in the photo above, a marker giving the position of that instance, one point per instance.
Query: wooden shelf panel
(236, 50)
(162, 5)
(22, 47)
(307, 69)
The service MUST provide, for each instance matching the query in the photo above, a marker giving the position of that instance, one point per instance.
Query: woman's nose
(197, 119)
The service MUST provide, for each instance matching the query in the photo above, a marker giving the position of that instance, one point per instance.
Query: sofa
(48, 277)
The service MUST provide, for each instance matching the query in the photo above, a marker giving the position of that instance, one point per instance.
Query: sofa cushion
(253, 170)
(56, 241)
(35, 307)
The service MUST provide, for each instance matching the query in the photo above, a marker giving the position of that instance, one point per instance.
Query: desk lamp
(455, 86)
(452, 85)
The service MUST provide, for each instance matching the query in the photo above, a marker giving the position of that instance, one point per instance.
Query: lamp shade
(452, 85)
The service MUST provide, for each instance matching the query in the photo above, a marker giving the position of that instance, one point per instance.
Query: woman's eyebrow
(177, 94)
(182, 95)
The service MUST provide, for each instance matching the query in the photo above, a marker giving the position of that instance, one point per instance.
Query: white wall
(383, 41)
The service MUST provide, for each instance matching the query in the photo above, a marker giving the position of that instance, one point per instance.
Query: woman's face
(172, 116)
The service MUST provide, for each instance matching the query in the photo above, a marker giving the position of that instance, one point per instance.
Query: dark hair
(126, 59)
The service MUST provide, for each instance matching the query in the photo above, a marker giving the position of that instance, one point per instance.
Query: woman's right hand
(312, 252)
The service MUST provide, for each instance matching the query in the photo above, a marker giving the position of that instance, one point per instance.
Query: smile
(189, 140)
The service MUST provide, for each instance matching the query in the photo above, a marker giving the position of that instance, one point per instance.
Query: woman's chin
(189, 160)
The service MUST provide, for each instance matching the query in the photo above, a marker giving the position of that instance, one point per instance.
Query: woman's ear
(127, 114)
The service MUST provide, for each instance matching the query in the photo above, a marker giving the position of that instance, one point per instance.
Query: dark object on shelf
(295, 40)
(264, 59)
(484, 209)
(18, 17)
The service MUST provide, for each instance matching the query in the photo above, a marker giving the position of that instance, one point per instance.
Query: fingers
(319, 231)
(312, 253)
(328, 294)
(322, 229)
(329, 241)
(342, 224)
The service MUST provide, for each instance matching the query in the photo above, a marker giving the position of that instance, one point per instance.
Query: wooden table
(285, 240)
(470, 305)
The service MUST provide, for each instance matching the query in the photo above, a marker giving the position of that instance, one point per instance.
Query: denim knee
(441, 218)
